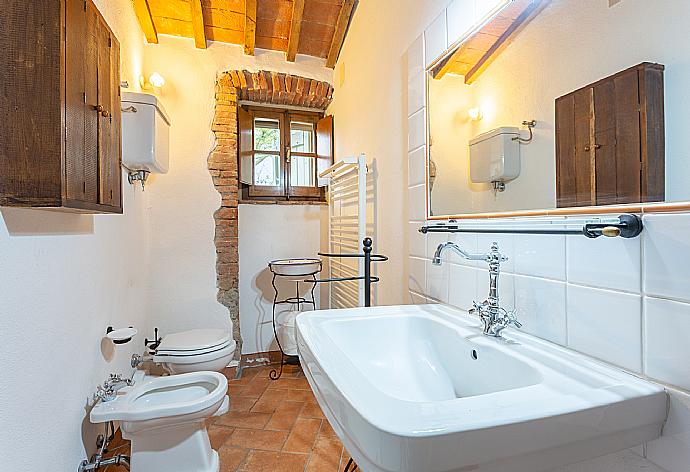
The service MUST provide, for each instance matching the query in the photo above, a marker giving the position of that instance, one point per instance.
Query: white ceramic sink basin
(420, 389)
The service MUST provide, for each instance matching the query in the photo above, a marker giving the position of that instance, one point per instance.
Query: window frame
(284, 191)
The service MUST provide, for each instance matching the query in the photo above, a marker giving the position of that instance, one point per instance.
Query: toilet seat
(194, 340)
(195, 350)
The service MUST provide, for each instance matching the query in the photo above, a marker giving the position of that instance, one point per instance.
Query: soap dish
(120, 336)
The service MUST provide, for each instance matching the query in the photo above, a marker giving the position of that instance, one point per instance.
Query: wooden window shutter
(324, 147)
(246, 147)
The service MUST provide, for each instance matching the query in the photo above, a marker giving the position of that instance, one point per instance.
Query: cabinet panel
(604, 143)
(104, 108)
(628, 138)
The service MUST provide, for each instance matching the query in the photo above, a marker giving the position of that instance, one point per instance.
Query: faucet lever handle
(511, 318)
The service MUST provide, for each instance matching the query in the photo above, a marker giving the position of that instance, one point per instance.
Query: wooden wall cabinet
(60, 132)
(610, 140)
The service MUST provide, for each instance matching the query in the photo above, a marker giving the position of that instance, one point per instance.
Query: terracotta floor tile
(242, 419)
(264, 440)
(269, 401)
(291, 383)
(327, 430)
(231, 458)
(256, 387)
(312, 410)
(303, 435)
(300, 395)
(241, 403)
(285, 415)
(263, 461)
(326, 455)
(219, 435)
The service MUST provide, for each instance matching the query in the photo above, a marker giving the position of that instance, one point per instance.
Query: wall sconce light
(154, 82)
(475, 114)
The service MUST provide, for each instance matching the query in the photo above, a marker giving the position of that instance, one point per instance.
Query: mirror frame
(658, 207)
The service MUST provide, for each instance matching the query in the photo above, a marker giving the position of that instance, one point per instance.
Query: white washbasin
(420, 389)
(295, 267)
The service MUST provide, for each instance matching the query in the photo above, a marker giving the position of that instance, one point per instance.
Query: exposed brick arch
(261, 87)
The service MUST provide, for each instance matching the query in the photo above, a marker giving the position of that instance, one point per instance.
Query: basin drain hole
(475, 356)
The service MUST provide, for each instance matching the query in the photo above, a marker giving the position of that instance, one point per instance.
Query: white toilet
(164, 417)
(195, 350)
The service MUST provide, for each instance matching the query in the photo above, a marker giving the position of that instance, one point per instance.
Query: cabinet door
(604, 143)
(628, 166)
(574, 161)
(92, 115)
(79, 170)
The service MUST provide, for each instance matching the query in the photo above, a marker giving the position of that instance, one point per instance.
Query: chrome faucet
(493, 316)
(114, 383)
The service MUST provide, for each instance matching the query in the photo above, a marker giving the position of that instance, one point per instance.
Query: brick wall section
(222, 165)
(266, 87)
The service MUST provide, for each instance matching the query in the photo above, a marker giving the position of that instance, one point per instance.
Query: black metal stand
(350, 463)
(296, 300)
(367, 277)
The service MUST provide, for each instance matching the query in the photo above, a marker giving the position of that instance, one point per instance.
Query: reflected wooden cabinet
(610, 140)
(60, 137)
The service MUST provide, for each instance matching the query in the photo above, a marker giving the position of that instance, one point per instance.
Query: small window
(281, 153)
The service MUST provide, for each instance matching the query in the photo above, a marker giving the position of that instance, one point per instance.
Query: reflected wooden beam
(340, 31)
(249, 26)
(530, 12)
(143, 12)
(198, 24)
(295, 28)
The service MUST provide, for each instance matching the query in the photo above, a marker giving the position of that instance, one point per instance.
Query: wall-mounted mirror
(553, 104)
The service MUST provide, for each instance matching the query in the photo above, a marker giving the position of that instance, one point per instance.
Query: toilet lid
(194, 340)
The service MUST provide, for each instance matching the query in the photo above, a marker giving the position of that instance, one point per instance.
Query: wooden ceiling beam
(531, 10)
(143, 12)
(249, 26)
(198, 24)
(295, 28)
(340, 31)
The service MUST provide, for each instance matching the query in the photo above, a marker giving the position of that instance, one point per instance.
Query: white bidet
(164, 417)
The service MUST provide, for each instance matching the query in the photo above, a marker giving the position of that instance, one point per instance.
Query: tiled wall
(624, 301)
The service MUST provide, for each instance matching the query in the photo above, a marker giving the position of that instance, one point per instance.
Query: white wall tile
(540, 306)
(437, 281)
(466, 241)
(415, 57)
(435, 38)
(666, 256)
(606, 324)
(460, 19)
(416, 93)
(672, 450)
(506, 246)
(462, 288)
(667, 341)
(416, 167)
(417, 274)
(540, 256)
(417, 240)
(605, 262)
(416, 203)
(417, 130)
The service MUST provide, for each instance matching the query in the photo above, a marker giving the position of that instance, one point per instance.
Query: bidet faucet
(494, 318)
(111, 386)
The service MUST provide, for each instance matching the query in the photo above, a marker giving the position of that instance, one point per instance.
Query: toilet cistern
(494, 317)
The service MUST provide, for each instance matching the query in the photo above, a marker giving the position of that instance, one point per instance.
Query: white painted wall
(269, 232)
(65, 278)
(570, 44)
(182, 202)
(625, 302)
